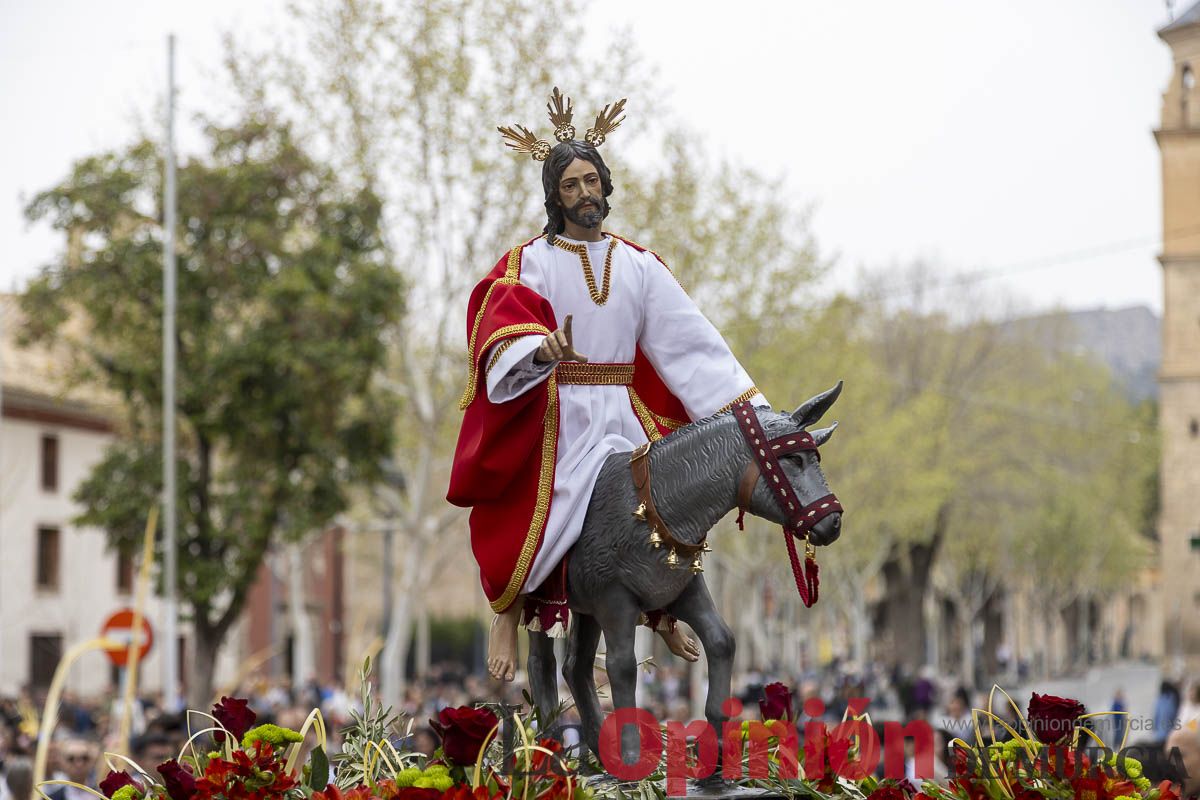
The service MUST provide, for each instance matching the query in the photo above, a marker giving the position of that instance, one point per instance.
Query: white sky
(1007, 136)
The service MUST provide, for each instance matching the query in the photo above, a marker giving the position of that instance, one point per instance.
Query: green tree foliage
(285, 297)
(970, 460)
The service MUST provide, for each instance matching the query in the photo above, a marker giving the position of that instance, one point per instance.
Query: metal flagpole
(170, 634)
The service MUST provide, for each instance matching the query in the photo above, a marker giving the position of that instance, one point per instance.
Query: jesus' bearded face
(580, 194)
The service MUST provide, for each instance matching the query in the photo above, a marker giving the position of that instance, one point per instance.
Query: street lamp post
(388, 534)
(170, 662)
(393, 480)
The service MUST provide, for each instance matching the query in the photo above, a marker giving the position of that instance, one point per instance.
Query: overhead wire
(1055, 261)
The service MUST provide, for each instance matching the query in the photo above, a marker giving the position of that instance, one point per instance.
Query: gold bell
(707, 547)
(640, 513)
(672, 559)
(655, 539)
(697, 567)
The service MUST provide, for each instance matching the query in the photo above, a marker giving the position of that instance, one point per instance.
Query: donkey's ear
(822, 436)
(812, 411)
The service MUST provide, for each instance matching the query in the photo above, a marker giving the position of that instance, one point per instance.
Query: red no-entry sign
(119, 628)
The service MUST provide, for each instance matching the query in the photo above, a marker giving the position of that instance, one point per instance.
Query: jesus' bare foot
(502, 645)
(681, 644)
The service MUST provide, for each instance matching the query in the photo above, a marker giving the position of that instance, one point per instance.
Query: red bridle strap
(801, 517)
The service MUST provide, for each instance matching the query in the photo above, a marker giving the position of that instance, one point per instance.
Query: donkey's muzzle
(827, 530)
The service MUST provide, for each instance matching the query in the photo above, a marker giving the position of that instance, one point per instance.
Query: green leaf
(319, 763)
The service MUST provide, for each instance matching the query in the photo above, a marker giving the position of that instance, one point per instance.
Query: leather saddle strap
(639, 466)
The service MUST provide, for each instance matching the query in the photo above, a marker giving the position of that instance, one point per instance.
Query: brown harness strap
(639, 466)
(746, 487)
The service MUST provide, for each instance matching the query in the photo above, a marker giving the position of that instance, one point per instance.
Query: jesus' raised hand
(558, 346)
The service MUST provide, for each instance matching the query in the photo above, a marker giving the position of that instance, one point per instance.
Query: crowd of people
(87, 727)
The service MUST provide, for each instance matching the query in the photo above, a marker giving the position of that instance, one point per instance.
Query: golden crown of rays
(523, 140)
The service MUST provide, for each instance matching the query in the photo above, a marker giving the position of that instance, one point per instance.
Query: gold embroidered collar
(599, 295)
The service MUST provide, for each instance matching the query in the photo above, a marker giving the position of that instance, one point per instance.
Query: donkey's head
(800, 495)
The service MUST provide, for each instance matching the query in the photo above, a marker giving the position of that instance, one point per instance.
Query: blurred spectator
(957, 719)
(152, 749)
(1190, 710)
(278, 696)
(924, 693)
(1188, 742)
(1120, 721)
(424, 740)
(312, 696)
(76, 715)
(76, 762)
(1166, 708)
(18, 778)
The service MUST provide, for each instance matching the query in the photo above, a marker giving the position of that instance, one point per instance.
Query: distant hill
(1128, 340)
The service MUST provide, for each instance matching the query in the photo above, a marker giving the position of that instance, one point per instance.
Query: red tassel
(812, 575)
(741, 516)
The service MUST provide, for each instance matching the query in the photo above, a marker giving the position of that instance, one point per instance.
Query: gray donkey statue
(627, 559)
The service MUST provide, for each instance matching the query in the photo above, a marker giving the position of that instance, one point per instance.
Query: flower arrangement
(1042, 758)
(1047, 760)
(248, 762)
(1051, 754)
(235, 759)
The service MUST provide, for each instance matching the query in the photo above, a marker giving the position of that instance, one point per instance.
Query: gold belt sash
(573, 372)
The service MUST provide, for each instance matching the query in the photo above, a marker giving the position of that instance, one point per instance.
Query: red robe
(504, 463)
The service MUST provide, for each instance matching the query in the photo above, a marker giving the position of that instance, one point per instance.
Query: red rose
(464, 731)
(179, 782)
(1025, 793)
(886, 791)
(777, 702)
(235, 715)
(414, 793)
(1053, 718)
(332, 792)
(114, 781)
(464, 792)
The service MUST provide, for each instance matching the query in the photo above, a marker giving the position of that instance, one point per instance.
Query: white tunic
(646, 306)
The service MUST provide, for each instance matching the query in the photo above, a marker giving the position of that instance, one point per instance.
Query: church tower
(1178, 139)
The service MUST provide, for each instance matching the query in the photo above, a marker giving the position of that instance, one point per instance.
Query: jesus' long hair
(552, 170)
